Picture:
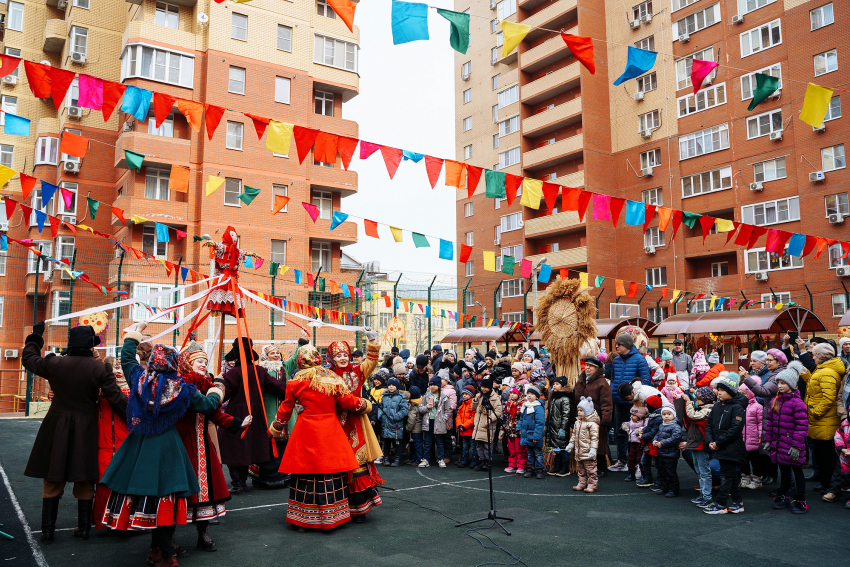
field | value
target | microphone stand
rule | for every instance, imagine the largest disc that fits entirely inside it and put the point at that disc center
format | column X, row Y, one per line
column 491, row 515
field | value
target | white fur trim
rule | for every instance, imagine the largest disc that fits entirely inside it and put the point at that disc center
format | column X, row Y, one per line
column 134, row 335
column 216, row 390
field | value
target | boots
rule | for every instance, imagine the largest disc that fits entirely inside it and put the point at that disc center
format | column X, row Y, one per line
column 745, row 481
column 49, row 511
column 154, row 556
column 755, row 483
column 540, row 475
column 482, row 466
column 397, row 462
column 565, row 469
column 205, row 542
column 84, row 508
column 180, row 552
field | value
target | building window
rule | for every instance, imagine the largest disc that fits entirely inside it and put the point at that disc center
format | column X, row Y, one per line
column 642, row 9
column 282, row 87
column 16, row 16
column 508, row 96
column 2, row 263
column 706, row 98
column 685, row 65
column 151, row 245
column 764, row 124
column 495, row 113
column 324, row 103
column 833, row 111
column 826, row 62
column 704, row 142
column 821, row 16
column 61, row 208
column 839, row 305
column 156, row 184
column 510, row 222
column 509, row 126
column 656, row 276
column 760, row 261
column 761, row 38
column 470, row 298
column 44, row 267
column 494, row 25
column 466, row 68
column 467, row 152
column 494, row 54
column 236, row 82
column 772, row 212
column 467, row 124
column 835, row 256
column 677, row 5
column 239, row 27
column 505, row 8
column 647, row 43
column 65, row 248
column 167, row 15
column 748, row 81
column 651, row 158
column 647, row 83
column 470, row 268
column 769, row 300
column 697, row 21
column 14, row 53
column 832, row 157
column 512, row 288
column 649, row 121
column 509, row 158
column 140, row 61
column 79, row 40
column 653, row 197
column 163, row 302
column 719, row 269
column 323, row 9
column 166, row 129
column 513, row 251
column 495, row 82
column 279, row 252
column 279, row 190
column 323, row 200
column 9, row 104
column 495, row 141
column 746, row 6
column 335, row 53
column 467, row 96
column 621, row 310
column 470, row 237
column 321, row 256
column 6, row 155
column 234, row 135
column 232, row 190
column 836, row 204
column 467, row 209
column 46, row 151
column 653, row 237
column 769, row 170
column 654, row 314
column 284, row 38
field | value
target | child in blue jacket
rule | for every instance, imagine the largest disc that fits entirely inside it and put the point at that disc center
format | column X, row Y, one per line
column 531, row 426
column 392, row 413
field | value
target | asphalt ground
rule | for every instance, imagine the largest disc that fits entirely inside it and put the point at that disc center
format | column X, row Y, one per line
column 621, row 525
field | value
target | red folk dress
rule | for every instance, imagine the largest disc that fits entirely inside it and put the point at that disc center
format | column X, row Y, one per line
column 111, row 433
column 227, row 258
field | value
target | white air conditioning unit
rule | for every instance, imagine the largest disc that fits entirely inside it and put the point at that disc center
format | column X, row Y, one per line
column 685, row 38
column 639, row 96
column 75, row 112
column 757, row 186
column 72, row 167
column 520, row 223
column 836, row 218
column 776, row 136
column 738, row 19
column 69, row 219
column 62, row 4
column 816, row 176
column 10, row 353
column 497, row 241
column 4, row 226
column 634, row 24
column 646, row 172
column 761, row 276
column 820, row 129
column 646, row 133
column 127, row 126
column 650, row 250
column 707, row 81
column 493, row 4
column 10, row 80
column 776, row 94
column 465, row 76
column 647, row 18
column 77, row 57
column 843, row 271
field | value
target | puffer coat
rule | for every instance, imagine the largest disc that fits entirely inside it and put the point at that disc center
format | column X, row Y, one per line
column 725, row 427
column 513, row 411
column 585, row 436
column 443, row 416
column 650, row 430
column 695, row 421
column 531, row 425
column 465, row 418
column 765, row 386
column 786, row 427
column 559, row 418
column 755, row 415
column 625, row 369
column 821, row 397
column 669, row 435
column 414, row 418
column 480, row 431
column 393, row 414
column 842, row 441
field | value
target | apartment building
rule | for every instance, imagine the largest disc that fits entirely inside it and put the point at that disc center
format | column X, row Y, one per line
column 651, row 139
column 291, row 61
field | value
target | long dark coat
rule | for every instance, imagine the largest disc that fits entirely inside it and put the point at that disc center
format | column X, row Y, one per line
column 65, row 449
column 254, row 447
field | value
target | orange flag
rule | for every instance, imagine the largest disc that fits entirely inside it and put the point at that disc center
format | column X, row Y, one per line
column 73, row 144
column 664, row 215
column 325, row 148
column 280, row 202
column 619, row 289
column 455, row 171
column 345, row 10
column 193, row 111
column 179, row 179
column 371, row 228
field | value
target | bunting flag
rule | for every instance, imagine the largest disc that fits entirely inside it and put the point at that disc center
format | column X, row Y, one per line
column 473, row 176
column 545, row 273
column 119, row 213
column 433, row 166
column 8, row 64
column 248, row 195
column 815, row 105
column 392, row 156
column 16, row 125
column 409, row 22
column 312, row 210
column 162, row 105
column 707, row 224
column 414, row 157
column 582, row 278
column 136, row 102
column 134, row 160
column 582, row 49
column 346, row 147
column 465, row 251
column 93, row 206
column 90, row 92
column 280, row 137
column 494, row 184
column 459, row 33
column 338, row 219
column 280, row 202
column 633, row 288
column 213, row 183
column 193, row 111
column 599, row 280
column 38, row 77
column 325, row 147
column 73, row 144
column 27, row 184
column 298, row 276
column 304, row 140
column 260, row 124
column 179, row 179
column 639, row 61
column 532, row 191
column 508, row 265
column 455, row 173
column 601, row 207
column 370, row 228
column 112, row 93
column 795, row 247
column 513, row 34
column 345, row 10
column 162, row 233
column 489, row 260
column 40, row 217
column 525, row 268
column 616, row 207
column 419, row 240
column 619, row 289
column 60, row 82
column 765, row 86
column 550, row 194
column 512, row 185
column 396, row 233
column 47, row 192
column 446, row 250
column 699, row 71
column 212, row 118
column 138, row 220
column 648, row 214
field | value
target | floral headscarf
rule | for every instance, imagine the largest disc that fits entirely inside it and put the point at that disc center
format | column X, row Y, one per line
column 158, row 396
column 307, row 357
column 188, row 356
column 335, row 348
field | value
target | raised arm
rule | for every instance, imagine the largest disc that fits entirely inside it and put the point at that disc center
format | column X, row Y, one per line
column 31, row 358
column 370, row 361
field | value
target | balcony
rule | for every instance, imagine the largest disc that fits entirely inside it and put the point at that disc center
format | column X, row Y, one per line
column 555, row 83
column 141, row 29
column 554, row 154
column 563, row 258
column 553, row 17
column 552, row 119
column 714, row 244
column 55, row 36
column 171, row 212
column 157, row 149
column 728, row 285
column 45, row 282
column 575, row 179
column 337, row 126
column 344, row 83
column 344, row 234
column 331, row 178
column 550, row 51
column 549, row 225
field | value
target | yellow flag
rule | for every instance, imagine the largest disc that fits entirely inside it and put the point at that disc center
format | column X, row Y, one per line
column 84, row 227
column 282, row 270
column 815, row 105
column 138, row 220
column 213, row 184
column 532, row 191
column 279, row 137
column 6, row 174
column 676, row 293
column 582, row 278
column 779, row 306
column 711, row 305
column 514, row 34
column 724, row 225
column 396, row 233
column 489, row 261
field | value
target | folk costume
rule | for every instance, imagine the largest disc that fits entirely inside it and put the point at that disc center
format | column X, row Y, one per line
column 318, row 453
column 111, row 432
column 363, row 494
column 151, row 477
column 227, row 258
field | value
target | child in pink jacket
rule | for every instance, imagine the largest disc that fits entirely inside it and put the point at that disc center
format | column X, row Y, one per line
column 842, row 445
column 752, row 438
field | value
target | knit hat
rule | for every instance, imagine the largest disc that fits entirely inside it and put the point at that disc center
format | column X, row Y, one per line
column 394, row 350
column 443, row 374
column 518, row 366
column 672, row 377
column 778, row 355
column 487, row 383
column 531, row 389
column 824, row 351
column 666, row 355
column 594, row 361
column 842, row 340
column 759, row 356
column 394, row 382
column 746, row 391
column 415, row 392
column 492, row 355
column 653, row 402
column 380, row 376
column 791, row 374
column 399, row 369
column 470, row 351
column 530, row 353
column 438, row 348
column 667, row 409
column 700, row 364
column 728, row 383
column 586, row 404
column 421, row 361
column 705, row 395
column 713, row 358
column 451, row 352
column 434, row 381
column 640, row 412
column 603, row 357
column 562, row 380
column 480, row 367
column 470, row 389
column 82, row 337
column 625, row 340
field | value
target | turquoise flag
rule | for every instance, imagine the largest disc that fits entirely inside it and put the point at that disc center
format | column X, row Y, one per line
column 419, row 240
column 137, row 102
column 635, row 213
column 446, row 249
column 599, row 280
column 161, row 232
column 545, row 273
column 16, row 125
column 408, row 155
column 338, row 219
column 298, row 276
column 409, row 22
column 639, row 62
column 795, row 246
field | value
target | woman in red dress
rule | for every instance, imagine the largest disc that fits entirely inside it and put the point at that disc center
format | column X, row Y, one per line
column 318, row 454
column 111, row 433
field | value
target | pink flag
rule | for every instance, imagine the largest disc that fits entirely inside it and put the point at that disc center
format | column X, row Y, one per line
column 181, row 234
column 68, row 197
column 368, row 148
column 312, row 210
column 601, row 207
column 258, row 262
column 700, row 71
column 525, row 268
column 91, row 92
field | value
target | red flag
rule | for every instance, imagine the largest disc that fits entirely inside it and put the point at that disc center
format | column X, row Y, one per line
column 9, row 64
column 676, row 217
column 27, row 212
column 570, row 198
column 616, row 206
column 346, row 147
column 325, row 147
column 744, row 232
column 663, row 293
column 465, row 251
column 821, row 246
column 60, row 82
column 10, row 208
column 162, row 105
column 729, row 234
column 648, row 215
column 54, row 225
column 433, row 166
column 512, row 183
column 782, row 240
column 260, row 124
column 473, row 175
column 633, row 287
column 304, row 140
column 583, row 201
column 27, row 183
column 582, row 48
column 706, row 222
column 550, row 194
column 345, row 10
column 392, row 157
column 565, row 273
column 73, row 144
column 112, row 93
column 38, row 77
column 371, row 228
column 120, row 214
column 758, row 232
column 809, row 246
column 212, row 117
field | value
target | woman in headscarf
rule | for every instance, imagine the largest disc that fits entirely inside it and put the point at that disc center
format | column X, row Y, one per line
column 268, row 474
column 111, row 432
column 151, row 477
column 228, row 257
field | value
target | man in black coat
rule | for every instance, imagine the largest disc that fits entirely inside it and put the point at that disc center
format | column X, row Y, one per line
column 65, row 449
column 421, row 373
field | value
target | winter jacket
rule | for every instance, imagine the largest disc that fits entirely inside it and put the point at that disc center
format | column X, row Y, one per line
column 480, row 428
column 695, row 420
column 712, row 373
column 656, row 373
column 653, row 423
column 682, row 362
column 632, row 429
column 786, row 427
column 596, row 388
column 672, row 395
column 531, row 424
column 501, row 369
column 465, row 418
column 393, row 414
column 842, row 441
column 669, row 435
column 451, row 394
column 512, row 414
column 765, row 387
column 557, row 419
column 585, row 436
column 414, row 378
column 414, row 418
column 755, row 414
column 725, row 427
column 443, row 416
column 821, row 395
column 625, row 369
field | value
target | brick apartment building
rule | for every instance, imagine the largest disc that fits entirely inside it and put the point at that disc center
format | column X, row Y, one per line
column 291, row 61
column 540, row 114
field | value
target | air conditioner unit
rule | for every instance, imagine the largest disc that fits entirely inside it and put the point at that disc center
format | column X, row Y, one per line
column 647, row 18
column 816, row 176
column 520, row 224
column 685, row 38
column 776, row 136
column 757, row 186
column 465, row 76
column 493, row 4
column 819, row 129
column 10, row 80
column 646, row 172
column 77, row 57
column 761, row 276
column 497, row 241
column 127, row 126
column 75, row 112
column 634, row 24
column 649, row 250
column 639, row 96
column 4, row 226
column 776, row 94
column 62, row 4
column 10, row 353
column 707, row 81
column 72, row 167
column 646, row 133
column 64, row 276
column 738, row 19
column 843, row 271
column 836, row 218
column 69, row 219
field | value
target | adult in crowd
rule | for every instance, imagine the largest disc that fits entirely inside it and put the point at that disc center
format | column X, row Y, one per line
column 765, row 388
column 628, row 366
column 420, row 374
column 592, row 384
column 682, row 363
column 758, row 369
column 436, row 357
column 844, row 351
column 821, row 394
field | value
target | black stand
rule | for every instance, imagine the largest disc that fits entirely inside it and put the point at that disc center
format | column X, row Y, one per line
column 491, row 515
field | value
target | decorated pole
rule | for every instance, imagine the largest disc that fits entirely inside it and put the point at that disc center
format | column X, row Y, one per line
column 356, row 310
column 272, row 318
column 315, row 283
column 71, row 291
column 176, row 301
column 495, row 304
column 34, row 321
column 118, row 311
column 395, row 300
column 429, row 310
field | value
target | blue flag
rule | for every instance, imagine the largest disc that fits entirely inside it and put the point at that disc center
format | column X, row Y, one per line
column 409, row 22
column 635, row 213
column 298, row 276
column 338, row 219
column 16, row 126
column 446, row 249
column 408, row 155
column 183, row 273
column 427, row 310
column 137, row 102
column 545, row 273
column 40, row 218
column 4, row 243
column 161, row 232
column 345, row 291
column 639, row 62
column 796, row 244
column 249, row 262
column 47, row 191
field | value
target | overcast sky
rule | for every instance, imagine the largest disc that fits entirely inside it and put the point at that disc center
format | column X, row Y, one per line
column 406, row 101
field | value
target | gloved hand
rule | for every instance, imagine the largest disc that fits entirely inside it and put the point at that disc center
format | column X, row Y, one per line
column 625, row 427
column 592, row 453
column 794, row 453
column 562, row 434
column 765, row 446
column 38, row 328
column 569, row 448
column 371, row 334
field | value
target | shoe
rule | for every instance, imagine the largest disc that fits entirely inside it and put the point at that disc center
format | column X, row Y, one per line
column 579, row 488
column 656, row 489
column 715, row 509
column 397, row 462
column 696, row 500
column 814, row 477
column 671, row 494
column 461, row 465
column 170, row 562
column 49, row 511
column 379, row 461
column 386, row 462
column 755, row 483
column 205, row 542
column 829, row 497
column 847, row 505
column 781, row 502
column 735, row 508
column 442, row 464
column 745, row 481
column 602, row 474
column 485, row 466
column 154, row 556
column 423, row 464
column 619, row 466
column 540, row 474
column 630, row 478
column 520, row 471
column 768, row 480
column 84, row 507
column 589, row 490
column 236, row 488
column 705, row 503
column 510, row 469
column 799, row 507
column 180, row 552
column 565, row 469
column 528, row 473
column 644, row 483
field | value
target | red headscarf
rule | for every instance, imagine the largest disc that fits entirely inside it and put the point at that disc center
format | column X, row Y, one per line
column 231, row 253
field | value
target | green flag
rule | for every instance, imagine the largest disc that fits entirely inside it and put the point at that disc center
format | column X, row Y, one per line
column 273, row 268
column 459, row 38
column 134, row 160
column 197, row 238
column 320, row 284
column 248, row 195
column 599, row 280
column 495, row 184
column 765, row 86
column 420, row 241
column 473, row 319
column 508, row 265
column 93, row 205
column 442, row 312
column 690, row 219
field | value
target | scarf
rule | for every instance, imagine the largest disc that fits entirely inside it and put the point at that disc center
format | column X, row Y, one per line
column 158, row 397
column 272, row 366
column 528, row 407
column 231, row 248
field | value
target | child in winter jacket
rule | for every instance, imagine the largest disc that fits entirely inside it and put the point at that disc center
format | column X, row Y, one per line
column 724, row 433
column 436, row 414
column 647, row 434
column 842, row 445
column 752, row 439
column 584, row 441
column 508, row 382
column 637, row 421
column 517, row 454
column 465, row 421
column 696, row 416
column 392, row 414
column 667, row 442
column 671, row 389
column 414, row 426
column 558, row 426
column 532, row 428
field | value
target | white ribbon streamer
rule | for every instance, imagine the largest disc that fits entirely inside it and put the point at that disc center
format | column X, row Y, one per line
column 313, row 322
column 186, row 301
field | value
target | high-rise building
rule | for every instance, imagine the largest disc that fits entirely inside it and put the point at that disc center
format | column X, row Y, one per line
column 651, row 139
column 296, row 62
